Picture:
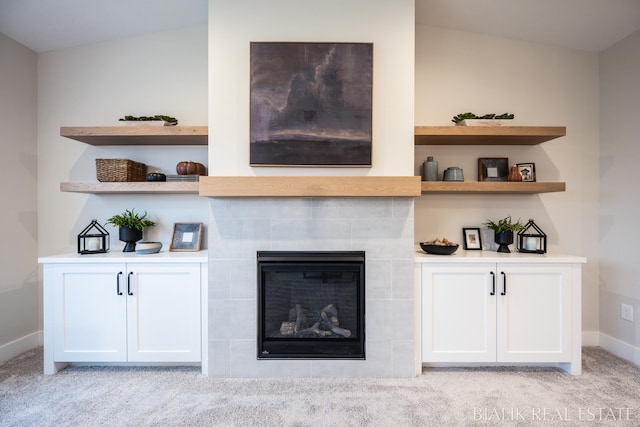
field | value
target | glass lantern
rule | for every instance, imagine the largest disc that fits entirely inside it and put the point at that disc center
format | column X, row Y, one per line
column 94, row 239
column 532, row 239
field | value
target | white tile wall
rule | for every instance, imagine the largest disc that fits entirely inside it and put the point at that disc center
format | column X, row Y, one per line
column 382, row 227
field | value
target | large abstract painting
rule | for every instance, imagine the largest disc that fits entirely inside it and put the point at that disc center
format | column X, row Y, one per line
column 311, row 104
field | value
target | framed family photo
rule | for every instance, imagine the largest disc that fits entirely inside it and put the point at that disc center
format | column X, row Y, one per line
column 527, row 171
column 187, row 237
column 472, row 240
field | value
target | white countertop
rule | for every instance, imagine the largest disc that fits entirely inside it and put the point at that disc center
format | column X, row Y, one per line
column 491, row 256
column 162, row 257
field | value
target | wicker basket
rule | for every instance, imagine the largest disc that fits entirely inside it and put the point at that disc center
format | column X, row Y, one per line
column 120, row 170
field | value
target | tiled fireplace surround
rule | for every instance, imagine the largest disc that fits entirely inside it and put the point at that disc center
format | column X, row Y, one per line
column 381, row 226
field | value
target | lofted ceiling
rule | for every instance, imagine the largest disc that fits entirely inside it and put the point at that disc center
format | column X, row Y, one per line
column 591, row 25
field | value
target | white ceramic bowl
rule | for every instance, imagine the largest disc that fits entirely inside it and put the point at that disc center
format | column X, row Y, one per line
column 148, row 247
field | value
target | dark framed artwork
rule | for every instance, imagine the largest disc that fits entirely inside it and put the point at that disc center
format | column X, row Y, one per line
column 311, row 104
column 472, row 240
column 186, row 237
column 527, row 171
column 493, row 169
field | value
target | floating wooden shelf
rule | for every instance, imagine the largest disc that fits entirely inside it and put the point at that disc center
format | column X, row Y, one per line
column 486, row 135
column 310, row 186
column 130, row 187
column 138, row 135
column 451, row 187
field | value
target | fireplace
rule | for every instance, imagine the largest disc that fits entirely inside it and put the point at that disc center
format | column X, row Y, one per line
column 311, row 305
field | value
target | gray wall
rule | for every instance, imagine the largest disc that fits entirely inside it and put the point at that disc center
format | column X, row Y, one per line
column 619, row 201
column 19, row 305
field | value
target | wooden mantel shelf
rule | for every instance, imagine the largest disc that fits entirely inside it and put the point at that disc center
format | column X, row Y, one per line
column 487, row 135
column 451, row 187
column 138, row 135
column 310, row 186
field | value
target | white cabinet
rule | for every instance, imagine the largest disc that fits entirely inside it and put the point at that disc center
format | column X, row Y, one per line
column 132, row 311
column 482, row 311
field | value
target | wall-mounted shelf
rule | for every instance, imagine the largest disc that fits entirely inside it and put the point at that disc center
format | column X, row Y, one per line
column 130, row 187
column 138, row 135
column 451, row 187
column 486, row 135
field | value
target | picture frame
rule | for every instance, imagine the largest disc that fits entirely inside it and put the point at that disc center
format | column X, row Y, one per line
column 493, row 169
column 527, row 171
column 311, row 104
column 187, row 237
column 472, row 240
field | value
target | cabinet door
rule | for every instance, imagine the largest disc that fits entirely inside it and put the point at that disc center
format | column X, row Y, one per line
column 89, row 315
column 164, row 313
column 534, row 317
column 458, row 313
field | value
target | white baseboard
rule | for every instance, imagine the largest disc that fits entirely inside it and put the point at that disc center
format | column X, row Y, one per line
column 19, row 346
column 620, row 348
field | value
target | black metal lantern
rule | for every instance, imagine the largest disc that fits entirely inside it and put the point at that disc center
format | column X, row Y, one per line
column 532, row 239
column 94, row 239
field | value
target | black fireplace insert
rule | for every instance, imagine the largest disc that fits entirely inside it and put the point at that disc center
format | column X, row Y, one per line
column 311, row 305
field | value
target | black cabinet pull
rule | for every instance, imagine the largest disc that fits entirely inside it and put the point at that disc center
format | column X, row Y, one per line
column 129, row 283
column 118, row 283
column 493, row 283
column 504, row 283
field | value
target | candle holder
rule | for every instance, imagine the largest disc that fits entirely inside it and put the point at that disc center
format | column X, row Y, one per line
column 94, row 239
column 531, row 239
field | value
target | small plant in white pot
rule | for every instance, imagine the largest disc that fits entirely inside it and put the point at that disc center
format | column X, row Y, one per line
column 503, row 232
column 131, row 225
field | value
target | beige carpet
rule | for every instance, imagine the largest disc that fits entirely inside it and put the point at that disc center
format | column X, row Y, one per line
column 608, row 393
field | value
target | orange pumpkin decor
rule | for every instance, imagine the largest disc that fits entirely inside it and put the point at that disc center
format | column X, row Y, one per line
column 190, row 168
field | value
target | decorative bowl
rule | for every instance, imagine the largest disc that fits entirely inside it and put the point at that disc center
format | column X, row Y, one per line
column 438, row 249
column 148, row 247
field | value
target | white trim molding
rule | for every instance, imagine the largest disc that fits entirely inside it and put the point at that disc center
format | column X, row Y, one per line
column 19, row 346
column 620, row 348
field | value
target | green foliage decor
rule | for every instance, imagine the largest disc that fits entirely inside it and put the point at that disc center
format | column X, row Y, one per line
column 504, row 224
column 464, row 116
column 157, row 117
column 129, row 218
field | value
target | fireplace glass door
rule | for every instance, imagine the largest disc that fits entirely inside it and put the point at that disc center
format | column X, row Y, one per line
column 311, row 305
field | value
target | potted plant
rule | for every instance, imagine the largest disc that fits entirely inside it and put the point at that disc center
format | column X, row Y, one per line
column 131, row 225
column 503, row 232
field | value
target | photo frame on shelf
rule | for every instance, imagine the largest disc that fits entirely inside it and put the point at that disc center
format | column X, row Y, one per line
column 187, row 237
column 472, row 240
column 493, row 168
column 527, row 171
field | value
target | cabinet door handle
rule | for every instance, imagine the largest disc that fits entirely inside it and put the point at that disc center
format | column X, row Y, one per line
column 129, row 283
column 118, row 291
column 504, row 283
column 493, row 283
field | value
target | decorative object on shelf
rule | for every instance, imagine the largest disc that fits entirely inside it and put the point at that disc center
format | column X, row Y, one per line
column 94, row 239
column 514, row 174
column 439, row 247
column 148, row 247
column 314, row 108
column 120, row 170
column 156, row 177
column 131, row 225
column 527, row 171
column 503, row 232
column 157, row 120
column 190, row 168
column 186, row 237
column 470, row 119
column 430, row 170
column 183, row 178
column 493, row 169
column 531, row 239
column 454, row 173
column 472, row 240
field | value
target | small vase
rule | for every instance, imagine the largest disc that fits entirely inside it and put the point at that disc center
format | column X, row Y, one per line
column 514, row 174
column 504, row 239
column 130, row 236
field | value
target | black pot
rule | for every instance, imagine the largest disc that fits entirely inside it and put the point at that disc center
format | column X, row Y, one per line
column 130, row 236
column 504, row 239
